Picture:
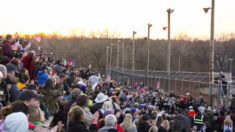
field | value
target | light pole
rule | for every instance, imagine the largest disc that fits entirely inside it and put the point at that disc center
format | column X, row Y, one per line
column 149, row 26
column 133, row 52
column 212, row 47
column 231, row 70
column 123, row 56
column 118, row 53
column 169, row 11
column 107, row 59
column 110, row 65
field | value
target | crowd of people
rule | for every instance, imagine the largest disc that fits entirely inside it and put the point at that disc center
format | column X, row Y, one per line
column 40, row 93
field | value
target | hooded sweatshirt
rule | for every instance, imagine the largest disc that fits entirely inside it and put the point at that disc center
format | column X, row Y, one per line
column 41, row 77
column 16, row 122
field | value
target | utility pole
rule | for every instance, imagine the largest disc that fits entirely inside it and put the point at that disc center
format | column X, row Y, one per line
column 212, row 48
column 148, row 45
column 169, row 11
column 133, row 52
column 118, row 53
column 107, row 59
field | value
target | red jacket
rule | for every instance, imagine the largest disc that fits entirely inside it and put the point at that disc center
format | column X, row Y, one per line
column 191, row 113
column 6, row 49
column 29, row 64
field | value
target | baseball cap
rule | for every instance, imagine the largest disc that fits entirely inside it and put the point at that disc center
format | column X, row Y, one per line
column 10, row 67
column 133, row 110
column 29, row 94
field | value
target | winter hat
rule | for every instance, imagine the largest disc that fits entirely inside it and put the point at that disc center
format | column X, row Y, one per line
column 107, row 105
column 108, row 112
column 191, row 107
column 76, row 92
column 90, row 103
column 133, row 110
column 16, row 122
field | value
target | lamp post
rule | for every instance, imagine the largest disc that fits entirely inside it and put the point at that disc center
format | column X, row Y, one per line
column 211, row 62
column 107, row 59
column 133, row 52
column 123, row 56
column 169, row 11
column 118, row 53
column 110, row 65
column 231, row 70
column 148, row 45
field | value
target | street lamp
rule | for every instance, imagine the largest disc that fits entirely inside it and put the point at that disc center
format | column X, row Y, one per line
column 118, row 53
column 123, row 56
column 231, row 72
column 149, row 26
column 133, row 52
column 169, row 11
column 212, row 47
column 110, row 65
column 107, row 59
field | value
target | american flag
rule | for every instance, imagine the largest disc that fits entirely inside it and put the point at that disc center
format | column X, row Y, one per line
column 27, row 47
column 108, row 77
column 37, row 38
column 71, row 63
column 158, row 84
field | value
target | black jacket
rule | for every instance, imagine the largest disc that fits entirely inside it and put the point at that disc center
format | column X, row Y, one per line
column 81, row 127
column 143, row 127
column 96, row 107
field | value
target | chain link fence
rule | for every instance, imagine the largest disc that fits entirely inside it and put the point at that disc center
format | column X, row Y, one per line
column 181, row 83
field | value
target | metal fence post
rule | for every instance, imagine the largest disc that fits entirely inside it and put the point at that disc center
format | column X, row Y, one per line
column 182, row 87
column 175, row 87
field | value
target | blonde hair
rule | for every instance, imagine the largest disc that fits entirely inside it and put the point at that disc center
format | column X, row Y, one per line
column 227, row 120
column 76, row 114
column 107, row 105
column 127, row 123
column 166, row 124
column 153, row 129
column 35, row 115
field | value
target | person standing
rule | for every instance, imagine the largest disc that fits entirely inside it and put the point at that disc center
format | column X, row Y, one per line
column 6, row 47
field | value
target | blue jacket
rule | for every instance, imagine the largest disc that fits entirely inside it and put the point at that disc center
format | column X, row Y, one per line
column 41, row 77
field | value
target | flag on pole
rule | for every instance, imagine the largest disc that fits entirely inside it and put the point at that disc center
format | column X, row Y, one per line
column 27, row 46
column 37, row 38
column 158, row 84
column 108, row 77
column 70, row 62
column 128, row 81
column 65, row 62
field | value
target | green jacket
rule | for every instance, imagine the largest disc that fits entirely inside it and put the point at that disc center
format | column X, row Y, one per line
column 51, row 97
